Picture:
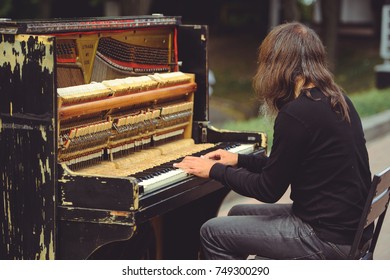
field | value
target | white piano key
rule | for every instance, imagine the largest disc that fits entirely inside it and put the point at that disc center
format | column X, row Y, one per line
column 175, row 175
column 243, row 149
column 163, row 180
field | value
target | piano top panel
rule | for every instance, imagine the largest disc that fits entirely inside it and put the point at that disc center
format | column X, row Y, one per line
column 53, row 26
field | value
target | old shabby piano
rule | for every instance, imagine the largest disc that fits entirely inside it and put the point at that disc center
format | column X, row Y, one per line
column 93, row 112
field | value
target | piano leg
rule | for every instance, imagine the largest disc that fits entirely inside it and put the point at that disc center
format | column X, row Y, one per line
column 78, row 240
column 142, row 245
column 81, row 231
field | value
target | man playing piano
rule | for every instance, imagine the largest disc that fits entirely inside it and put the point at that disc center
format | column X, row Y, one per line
column 319, row 150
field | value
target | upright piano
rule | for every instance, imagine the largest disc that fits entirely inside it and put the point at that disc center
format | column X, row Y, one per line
column 93, row 114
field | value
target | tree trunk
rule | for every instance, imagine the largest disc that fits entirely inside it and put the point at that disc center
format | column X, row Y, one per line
column 330, row 12
column 136, row 7
column 44, row 9
column 290, row 10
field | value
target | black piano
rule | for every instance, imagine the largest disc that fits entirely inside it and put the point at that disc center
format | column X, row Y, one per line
column 93, row 113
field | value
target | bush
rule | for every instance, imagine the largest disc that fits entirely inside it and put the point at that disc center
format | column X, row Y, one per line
column 371, row 102
column 367, row 103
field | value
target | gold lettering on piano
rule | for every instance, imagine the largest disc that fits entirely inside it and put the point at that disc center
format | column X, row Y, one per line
column 87, row 46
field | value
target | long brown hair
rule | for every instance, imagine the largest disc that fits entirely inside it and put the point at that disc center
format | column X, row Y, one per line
column 292, row 52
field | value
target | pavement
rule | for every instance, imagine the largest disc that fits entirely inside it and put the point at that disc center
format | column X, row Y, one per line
column 377, row 133
column 379, row 153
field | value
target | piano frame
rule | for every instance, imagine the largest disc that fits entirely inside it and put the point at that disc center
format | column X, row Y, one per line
column 49, row 212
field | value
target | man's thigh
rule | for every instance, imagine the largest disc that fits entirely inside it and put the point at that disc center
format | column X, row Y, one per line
column 274, row 235
column 261, row 209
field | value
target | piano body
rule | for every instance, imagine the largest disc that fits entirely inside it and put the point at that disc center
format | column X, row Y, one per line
column 93, row 112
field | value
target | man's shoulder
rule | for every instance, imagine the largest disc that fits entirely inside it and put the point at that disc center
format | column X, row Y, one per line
column 298, row 106
column 305, row 108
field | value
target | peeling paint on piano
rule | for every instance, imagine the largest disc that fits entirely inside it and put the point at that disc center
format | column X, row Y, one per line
column 97, row 192
column 25, row 54
column 27, row 141
column 45, row 251
column 27, row 46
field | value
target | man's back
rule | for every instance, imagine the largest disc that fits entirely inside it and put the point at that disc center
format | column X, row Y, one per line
column 333, row 175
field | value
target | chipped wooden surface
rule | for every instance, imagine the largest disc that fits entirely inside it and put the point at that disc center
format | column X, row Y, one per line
column 27, row 140
column 46, row 211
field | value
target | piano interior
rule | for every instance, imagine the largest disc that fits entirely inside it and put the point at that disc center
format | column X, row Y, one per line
column 122, row 101
column 114, row 127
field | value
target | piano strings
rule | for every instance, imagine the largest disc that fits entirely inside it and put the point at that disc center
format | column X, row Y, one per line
column 83, row 58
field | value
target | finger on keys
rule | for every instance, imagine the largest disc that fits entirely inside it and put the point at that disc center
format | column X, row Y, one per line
column 215, row 155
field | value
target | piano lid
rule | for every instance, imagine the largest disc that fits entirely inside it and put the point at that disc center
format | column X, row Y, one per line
column 67, row 25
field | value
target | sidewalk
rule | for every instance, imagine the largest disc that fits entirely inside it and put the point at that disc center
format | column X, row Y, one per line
column 378, row 146
column 379, row 152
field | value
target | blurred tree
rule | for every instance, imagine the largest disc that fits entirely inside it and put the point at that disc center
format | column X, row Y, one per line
column 18, row 9
column 5, row 7
column 136, row 7
column 290, row 10
column 25, row 8
column 77, row 8
column 306, row 9
column 330, row 12
column 45, row 8
column 125, row 7
column 376, row 7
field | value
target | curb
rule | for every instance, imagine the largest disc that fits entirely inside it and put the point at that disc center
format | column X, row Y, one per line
column 376, row 125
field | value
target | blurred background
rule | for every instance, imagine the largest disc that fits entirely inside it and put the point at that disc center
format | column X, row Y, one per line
column 350, row 30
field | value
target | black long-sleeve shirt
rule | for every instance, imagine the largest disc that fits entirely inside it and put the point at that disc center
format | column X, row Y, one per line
column 322, row 157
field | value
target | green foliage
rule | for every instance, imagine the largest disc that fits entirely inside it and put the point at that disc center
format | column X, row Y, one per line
column 255, row 124
column 355, row 65
column 95, row 2
column 371, row 102
column 235, row 88
column 366, row 103
column 5, row 7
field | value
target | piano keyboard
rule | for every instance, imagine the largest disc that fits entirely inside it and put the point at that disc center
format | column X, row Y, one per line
column 163, row 175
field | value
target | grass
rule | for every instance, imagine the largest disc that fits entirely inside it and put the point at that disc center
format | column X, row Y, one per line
column 371, row 102
column 254, row 124
column 366, row 103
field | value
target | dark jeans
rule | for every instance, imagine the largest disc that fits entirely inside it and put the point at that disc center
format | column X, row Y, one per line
column 270, row 231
